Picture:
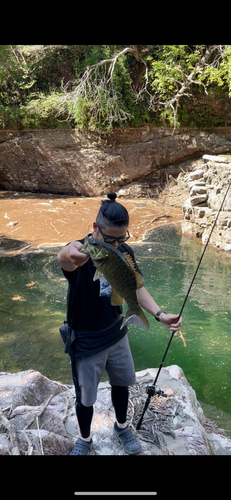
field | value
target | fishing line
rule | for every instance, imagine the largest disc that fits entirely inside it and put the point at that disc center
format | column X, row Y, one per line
column 151, row 388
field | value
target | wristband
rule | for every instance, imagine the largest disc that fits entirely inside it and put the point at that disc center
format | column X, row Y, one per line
column 158, row 314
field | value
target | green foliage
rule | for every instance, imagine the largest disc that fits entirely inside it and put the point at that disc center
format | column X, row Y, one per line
column 168, row 71
column 40, row 86
column 225, row 68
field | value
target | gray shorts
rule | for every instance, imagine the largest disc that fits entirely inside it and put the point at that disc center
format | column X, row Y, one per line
column 116, row 360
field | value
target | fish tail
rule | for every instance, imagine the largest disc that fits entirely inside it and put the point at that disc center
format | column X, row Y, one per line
column 137, row 319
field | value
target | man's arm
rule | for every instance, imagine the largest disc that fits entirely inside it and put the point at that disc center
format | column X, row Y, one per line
column 70, row 257
column 148, row 303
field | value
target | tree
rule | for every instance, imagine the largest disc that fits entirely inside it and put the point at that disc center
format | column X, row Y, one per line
column 174, row 71
column 98, row 95
column 101, row 86
column 177, row 70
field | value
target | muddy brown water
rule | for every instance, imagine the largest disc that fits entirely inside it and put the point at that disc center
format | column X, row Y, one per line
column 52, row 220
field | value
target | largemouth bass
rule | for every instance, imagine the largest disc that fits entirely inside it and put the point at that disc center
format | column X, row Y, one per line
column 119, row 270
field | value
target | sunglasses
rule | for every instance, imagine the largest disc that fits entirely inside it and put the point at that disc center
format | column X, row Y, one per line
column 111, row 239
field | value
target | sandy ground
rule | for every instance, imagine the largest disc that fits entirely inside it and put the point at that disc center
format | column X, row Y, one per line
column 41, row 220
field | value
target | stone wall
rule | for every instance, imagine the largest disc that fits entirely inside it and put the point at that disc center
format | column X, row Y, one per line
column 207, row 186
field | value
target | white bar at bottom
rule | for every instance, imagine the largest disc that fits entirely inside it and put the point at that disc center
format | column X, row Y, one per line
column 115, row 493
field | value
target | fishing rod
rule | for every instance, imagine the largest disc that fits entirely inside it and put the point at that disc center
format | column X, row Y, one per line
column 151, row 388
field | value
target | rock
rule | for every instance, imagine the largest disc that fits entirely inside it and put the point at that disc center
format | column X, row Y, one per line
column 200, row 199
column 33, row 389
column 52, row 443
column 172, row 425
column 12, row 223
column 93, row 163
column 50, row 419
column 159, row 234
column 198, row 190
column 25, row 394
column 133, row 190
column 175, row 371
column 197, row 174
column 214, row 158
column 219, row 443
column 197, row 221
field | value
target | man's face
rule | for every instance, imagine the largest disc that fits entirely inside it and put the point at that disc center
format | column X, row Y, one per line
column 110, row 232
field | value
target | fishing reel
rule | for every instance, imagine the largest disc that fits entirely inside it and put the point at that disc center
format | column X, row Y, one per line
column 151, row 391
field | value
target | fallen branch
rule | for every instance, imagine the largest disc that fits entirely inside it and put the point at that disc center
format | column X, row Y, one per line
column 157, row 218
column 24, row 248
column 40, row 440
column 30, row 447
column 66, row 410
column 39, row 413
column 13, row 437
column 56, row 229
column 173, row 179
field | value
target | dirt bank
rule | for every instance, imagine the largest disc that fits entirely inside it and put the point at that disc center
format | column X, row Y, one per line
column 53, row 220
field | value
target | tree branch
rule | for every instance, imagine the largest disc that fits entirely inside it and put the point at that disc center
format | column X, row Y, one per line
column 98, row 86
column 200, row 67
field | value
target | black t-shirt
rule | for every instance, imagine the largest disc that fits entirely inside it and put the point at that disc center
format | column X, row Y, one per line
column 89, row 311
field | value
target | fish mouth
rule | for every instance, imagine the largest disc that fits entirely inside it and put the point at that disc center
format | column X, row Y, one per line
column 94, row 249
column 99, row 255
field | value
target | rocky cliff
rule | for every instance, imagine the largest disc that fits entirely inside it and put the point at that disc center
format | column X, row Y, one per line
column 90, row 164
column 37, row 417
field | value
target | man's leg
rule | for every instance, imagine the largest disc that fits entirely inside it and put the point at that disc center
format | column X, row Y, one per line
column 121, row 371
column 83, row 445
column 89, row 371
column 119, row 396
column 84, row 416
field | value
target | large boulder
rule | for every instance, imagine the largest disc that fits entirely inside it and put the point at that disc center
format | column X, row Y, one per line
column 38, row 417
column 34, row 407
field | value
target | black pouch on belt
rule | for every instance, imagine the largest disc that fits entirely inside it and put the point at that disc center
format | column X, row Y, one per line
column 68, row 338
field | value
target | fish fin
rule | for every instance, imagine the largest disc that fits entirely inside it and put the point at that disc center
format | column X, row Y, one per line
column 139, row 320
column 129, row 260
column 116, row 300
column 138, row 276
column 139, row 280
column 97, row 275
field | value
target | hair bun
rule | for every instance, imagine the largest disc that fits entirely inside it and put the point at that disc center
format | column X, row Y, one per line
column 112, row 196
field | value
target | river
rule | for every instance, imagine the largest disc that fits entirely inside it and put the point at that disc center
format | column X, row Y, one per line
column 33, row 306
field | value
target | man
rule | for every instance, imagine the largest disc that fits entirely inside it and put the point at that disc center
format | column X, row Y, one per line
column 97, row 342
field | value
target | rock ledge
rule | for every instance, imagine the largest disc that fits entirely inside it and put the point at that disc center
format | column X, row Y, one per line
column 37, row 417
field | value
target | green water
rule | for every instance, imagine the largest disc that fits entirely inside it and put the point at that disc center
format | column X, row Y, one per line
column 33, row 307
